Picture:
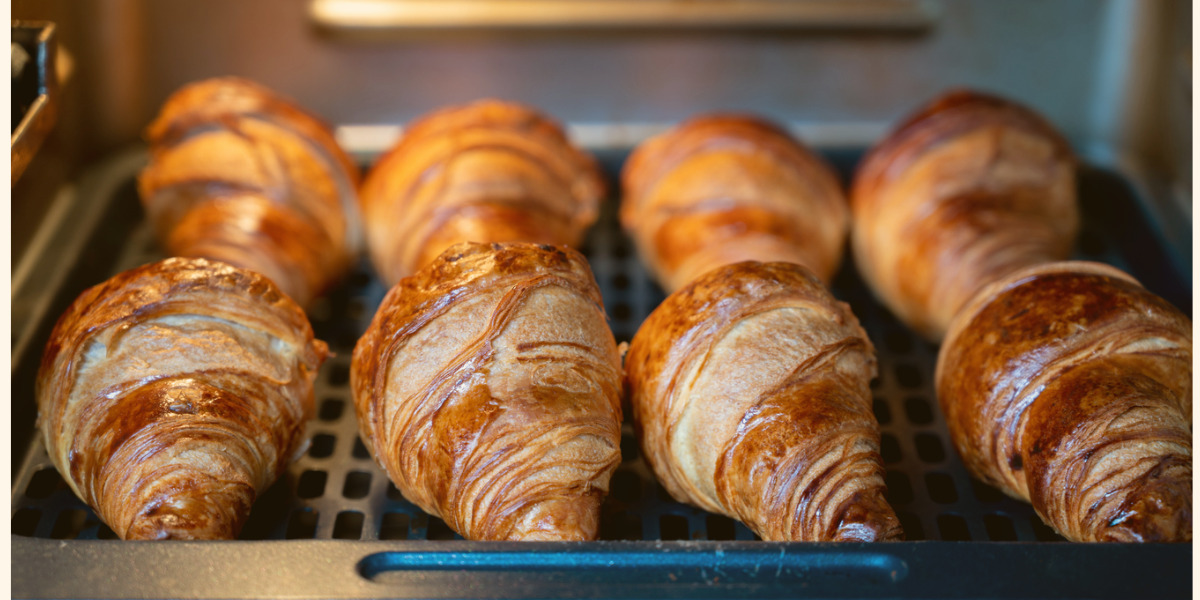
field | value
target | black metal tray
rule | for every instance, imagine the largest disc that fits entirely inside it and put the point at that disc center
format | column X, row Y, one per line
column 334, row 526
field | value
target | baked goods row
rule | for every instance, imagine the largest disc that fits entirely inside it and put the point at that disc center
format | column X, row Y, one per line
column 490, row 388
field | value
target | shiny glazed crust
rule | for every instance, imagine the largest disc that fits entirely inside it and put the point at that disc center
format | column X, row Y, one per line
column 724, row 188
column 172, row 394
column 1069, row 386
column 966, row 190
column 750, row 392
column 489, row 171
column 244, row 176
column 488, row 387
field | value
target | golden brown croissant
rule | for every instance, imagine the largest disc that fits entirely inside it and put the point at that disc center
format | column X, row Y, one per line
column 750, row 390
column 969, row 188
column 244, row 176
column 489, row 171
column 1069, row 385
column 487, row 386
column 723, row 188
column 172, row 394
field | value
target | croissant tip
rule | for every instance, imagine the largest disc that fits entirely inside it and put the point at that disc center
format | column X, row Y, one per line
column 170, row 524
column 868, row 518
column 1157, row 512
column 879, row 531
column 194, row 508
column 560, row 519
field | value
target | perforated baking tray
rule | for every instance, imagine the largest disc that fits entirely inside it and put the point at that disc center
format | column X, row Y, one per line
column 334, row 526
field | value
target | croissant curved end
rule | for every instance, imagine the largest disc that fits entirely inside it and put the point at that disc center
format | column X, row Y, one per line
column 868, row 519
column 201, row 515
column 560, row 519
column 1159, row 509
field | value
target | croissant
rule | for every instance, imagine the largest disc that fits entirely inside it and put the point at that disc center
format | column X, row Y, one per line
column 750, row 391
column 1068, row 385
column 723, row 188
column 241, row 175
column 487, row 387
column 966, row 190
column 488, row 171
column 172, row 394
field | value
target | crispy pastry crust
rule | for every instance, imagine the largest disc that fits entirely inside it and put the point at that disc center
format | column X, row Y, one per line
column 172, row 394
column 1069, row 386
column 241, row 175
column 489, row 171
column 723, row 188
column 750, row 391
column 969, row 188
column 488, row 388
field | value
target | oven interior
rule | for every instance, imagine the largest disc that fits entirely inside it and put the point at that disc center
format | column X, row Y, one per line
column 334, row 526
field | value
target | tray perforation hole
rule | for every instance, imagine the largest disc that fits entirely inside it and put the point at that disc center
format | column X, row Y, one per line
column 394, row 526
column 720, row 527
column 393, row 492
column 899, row 488
column 44, row 482
column 359, row 279
column 302, row 524
column 663, row 494
column 999, row 528
column 621, row 526
column 985, row 492
column 311, row 484
column 911, row 524
column 621, row 311
column 322, row 446
column 620, row 281
column 953, row 528
column 357, row 485
column 909, row 376
column 883, row 413
column 673, row 527
column 69, row 524
column 319, row 311
column 360, row 449
column 348, row 525
column 625, row 486
column 331, row 409
column 439, row 530
column 356, row 308
column 941, row 488
column 917, row 410
column 898, row 341
column 889, row 448
column 620, row 248
column 339, row 374
column 346, row 340
column 1042, row 531
column 929, row 448
column 25, row 521
column 629, row 448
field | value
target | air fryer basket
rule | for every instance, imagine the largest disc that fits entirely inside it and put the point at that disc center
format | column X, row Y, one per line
column 335, row 526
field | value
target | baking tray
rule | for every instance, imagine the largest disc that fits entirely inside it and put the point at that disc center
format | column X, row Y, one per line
column 334, row 526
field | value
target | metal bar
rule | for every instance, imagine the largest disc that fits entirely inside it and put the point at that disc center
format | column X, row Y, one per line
column 424, row 15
